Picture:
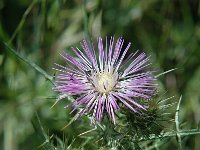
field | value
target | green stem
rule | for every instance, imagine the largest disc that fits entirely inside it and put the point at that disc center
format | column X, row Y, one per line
column 172, row 134
column 33, row 65
column 177, row 123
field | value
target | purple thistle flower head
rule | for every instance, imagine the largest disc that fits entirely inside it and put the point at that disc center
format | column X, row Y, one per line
column 103, row 81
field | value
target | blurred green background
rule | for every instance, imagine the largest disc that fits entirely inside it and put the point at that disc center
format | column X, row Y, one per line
column 168, row 30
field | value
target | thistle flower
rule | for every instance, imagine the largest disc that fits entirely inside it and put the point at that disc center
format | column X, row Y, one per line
column 104, row 82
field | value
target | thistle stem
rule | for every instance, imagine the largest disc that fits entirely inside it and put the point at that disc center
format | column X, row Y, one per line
column 172, row 134
column 33, row 65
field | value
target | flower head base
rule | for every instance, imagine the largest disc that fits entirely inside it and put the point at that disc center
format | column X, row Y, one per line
column 104, row 81
column 102, row 85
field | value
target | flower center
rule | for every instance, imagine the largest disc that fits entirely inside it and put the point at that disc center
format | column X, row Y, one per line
column 104, row 81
